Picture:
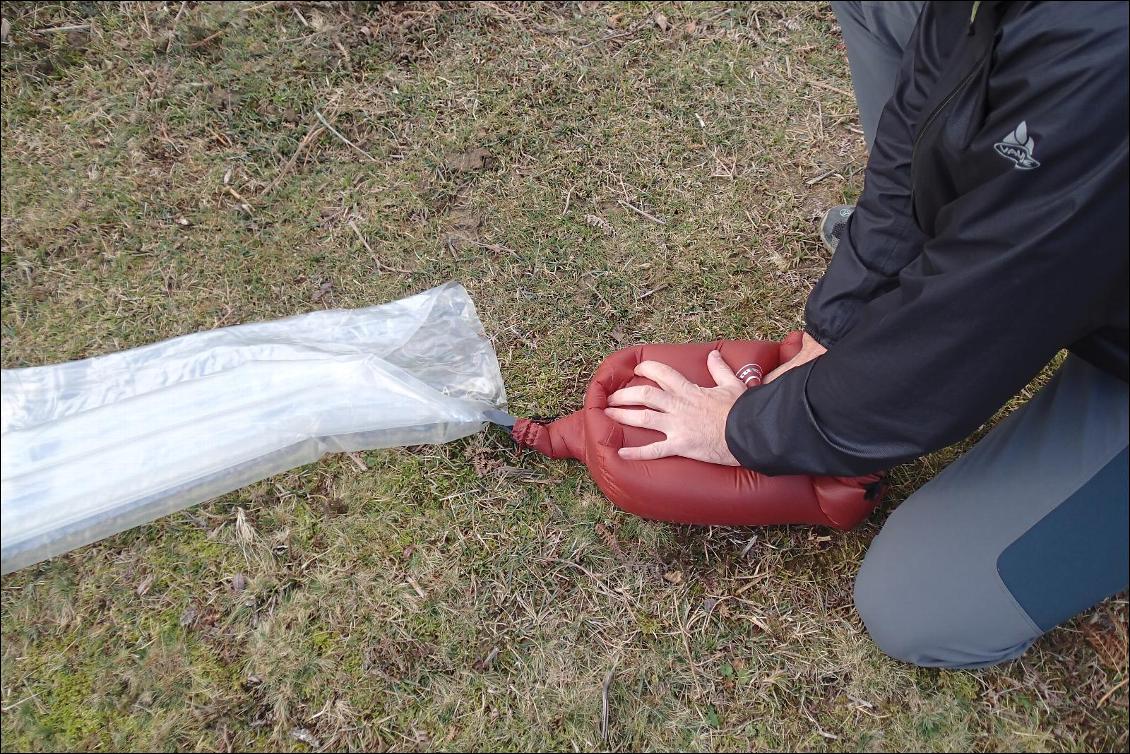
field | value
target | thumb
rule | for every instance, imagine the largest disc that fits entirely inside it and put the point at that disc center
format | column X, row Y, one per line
column 721, row 372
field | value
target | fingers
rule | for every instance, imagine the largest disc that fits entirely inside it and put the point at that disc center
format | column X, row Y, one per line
column 636, row 418
column 650, row 452
column 666, row 377
column 641, row 395
column 721, row 372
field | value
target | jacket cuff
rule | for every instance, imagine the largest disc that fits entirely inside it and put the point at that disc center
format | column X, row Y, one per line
column 766, row 428
column 820, row 336
column 825, row 320
column 772, row 430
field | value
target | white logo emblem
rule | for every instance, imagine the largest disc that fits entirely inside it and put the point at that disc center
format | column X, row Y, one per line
column 1017, row 146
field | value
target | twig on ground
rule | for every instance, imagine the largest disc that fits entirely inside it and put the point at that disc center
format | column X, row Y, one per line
column 752, row 540
column 495, row 247
column 604, row 703
column 239, row 197
column 260, row 6
column 608, row 38
column 73, row 27
column 603, row 300
column 600, row 586
column 339, row 135
column 831, row 88
column 640, row 212
column 376, row 260
column 1110, row 693
column 416, row 587
column 519, row 474
column 485, row 663
column 722, row 169
column 307, row 140
column 173, row 28
column 17, row 704
column 344, row 52
column 502, row 11
column 206, row 40
column 813, row 181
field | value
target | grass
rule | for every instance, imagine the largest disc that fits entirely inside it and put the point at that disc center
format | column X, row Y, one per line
column 164, row 173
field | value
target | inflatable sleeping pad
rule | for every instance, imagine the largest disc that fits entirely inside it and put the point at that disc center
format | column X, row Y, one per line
column 682, row 490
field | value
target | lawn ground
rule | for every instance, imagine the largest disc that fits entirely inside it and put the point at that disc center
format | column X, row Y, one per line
column 168, row 168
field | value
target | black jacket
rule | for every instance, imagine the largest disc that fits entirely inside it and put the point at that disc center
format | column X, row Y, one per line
column 991, row 233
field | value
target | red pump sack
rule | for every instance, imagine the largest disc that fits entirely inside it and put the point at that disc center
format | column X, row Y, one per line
column 686, row 491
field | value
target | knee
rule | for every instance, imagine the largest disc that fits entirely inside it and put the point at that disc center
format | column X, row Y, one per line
column 915, row 613
column 889, row 614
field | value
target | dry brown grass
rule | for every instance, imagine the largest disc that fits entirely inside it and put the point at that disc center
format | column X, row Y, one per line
column 435, row 601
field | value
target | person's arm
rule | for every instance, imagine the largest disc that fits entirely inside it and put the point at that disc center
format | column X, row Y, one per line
column 881, row 237
column 1022, row 265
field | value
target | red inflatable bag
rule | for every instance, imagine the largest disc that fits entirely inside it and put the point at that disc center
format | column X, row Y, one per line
column 682, row 490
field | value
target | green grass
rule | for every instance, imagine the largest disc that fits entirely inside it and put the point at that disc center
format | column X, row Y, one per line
column 419, row 604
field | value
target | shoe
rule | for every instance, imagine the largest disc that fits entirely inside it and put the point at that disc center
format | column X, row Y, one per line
column 834, row 224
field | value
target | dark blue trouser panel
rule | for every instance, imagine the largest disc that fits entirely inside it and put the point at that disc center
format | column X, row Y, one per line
column 1076, row 555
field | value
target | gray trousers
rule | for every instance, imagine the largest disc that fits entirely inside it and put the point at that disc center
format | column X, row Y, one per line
column 875, row 34
column 1018, row 535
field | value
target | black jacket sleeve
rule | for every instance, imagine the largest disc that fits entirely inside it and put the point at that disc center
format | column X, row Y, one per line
column 881, row 237
column 1021, row 264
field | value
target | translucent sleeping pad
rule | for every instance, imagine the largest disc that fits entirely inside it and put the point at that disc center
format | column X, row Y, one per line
column 91, row 448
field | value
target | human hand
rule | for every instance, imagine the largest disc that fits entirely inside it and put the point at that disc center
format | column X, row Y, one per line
column 692, row 417
column 809, row 350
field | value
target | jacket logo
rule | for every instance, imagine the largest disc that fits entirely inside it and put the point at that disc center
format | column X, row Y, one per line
column 1017, row 146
